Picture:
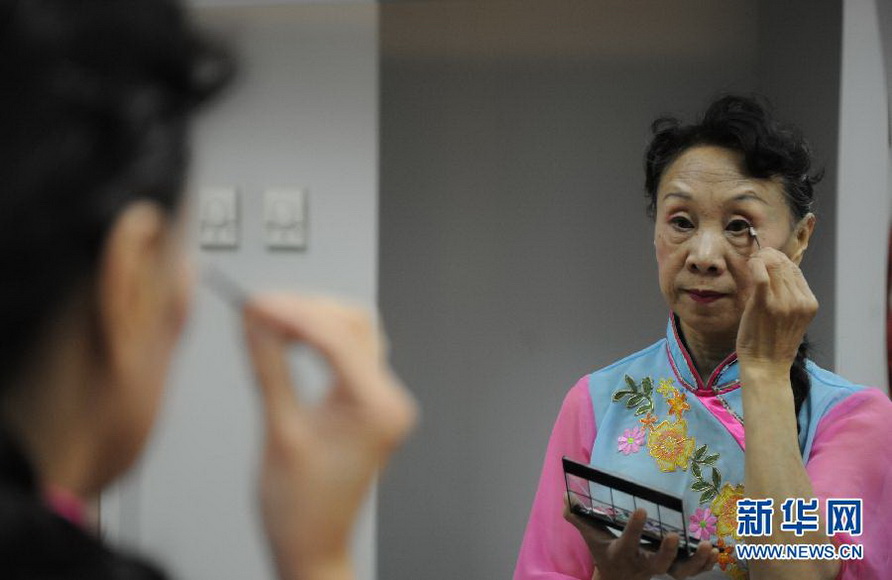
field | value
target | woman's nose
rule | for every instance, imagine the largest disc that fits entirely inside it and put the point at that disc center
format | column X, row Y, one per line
column 706, row 253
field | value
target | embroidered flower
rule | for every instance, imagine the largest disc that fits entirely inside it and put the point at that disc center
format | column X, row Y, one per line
column 725, row 554
column 678, row 404
column 631, row 440
column 648, row 420
column 670, row 445
column 666, row 387
column 724, row 506
column 724, row 560
column 702, row 524
column 736, row 572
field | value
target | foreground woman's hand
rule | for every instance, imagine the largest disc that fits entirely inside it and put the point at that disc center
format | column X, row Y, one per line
column 623, row 558
column 779, row 309
column 319, row 461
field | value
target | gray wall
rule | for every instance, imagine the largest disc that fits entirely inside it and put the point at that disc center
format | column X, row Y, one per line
column 865, row 197
column 799, row 68
column 515, row 254
column 303, row 114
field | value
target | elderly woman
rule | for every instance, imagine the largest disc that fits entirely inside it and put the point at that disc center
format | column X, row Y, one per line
column 727, row 405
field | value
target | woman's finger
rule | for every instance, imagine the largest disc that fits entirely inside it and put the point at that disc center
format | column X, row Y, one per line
column 667, row 554
column 703, row 559
column 783, row 294
column 596, row 538
column 802, row 284
column 631, row 536
column 782, row 269
column 806, row 302
column 346, row 337
column 349, row 340
column 760, row 279
column 271, row 371
column 791, row 293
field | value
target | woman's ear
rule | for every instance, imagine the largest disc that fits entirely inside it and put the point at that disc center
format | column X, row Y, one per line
column 802, row 232
column 128, row 287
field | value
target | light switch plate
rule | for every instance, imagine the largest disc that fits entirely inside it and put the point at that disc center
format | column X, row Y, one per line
column 218, row 217
column 285, row 218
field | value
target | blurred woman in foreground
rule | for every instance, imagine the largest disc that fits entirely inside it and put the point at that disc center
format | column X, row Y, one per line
column 96, row 102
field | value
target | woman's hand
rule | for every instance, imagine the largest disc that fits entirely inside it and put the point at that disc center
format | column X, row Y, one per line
column 772, row 326
column 318, row 462
column 623, row 558
column 779, row 309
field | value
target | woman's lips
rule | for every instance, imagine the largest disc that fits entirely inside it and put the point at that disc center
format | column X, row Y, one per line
column 704, row 296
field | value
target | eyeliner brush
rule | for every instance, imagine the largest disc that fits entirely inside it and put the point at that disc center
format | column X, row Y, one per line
column 755, row 237
column 225, row 287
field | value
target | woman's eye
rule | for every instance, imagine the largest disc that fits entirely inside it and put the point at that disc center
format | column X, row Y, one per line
column 738, row 226
column 681, row 223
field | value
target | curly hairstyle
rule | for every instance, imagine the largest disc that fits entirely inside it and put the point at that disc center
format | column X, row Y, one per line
column 770, row 150
column 744, row 124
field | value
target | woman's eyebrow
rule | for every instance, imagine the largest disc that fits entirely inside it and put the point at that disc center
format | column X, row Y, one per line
column 748, row 196
column 678, row 194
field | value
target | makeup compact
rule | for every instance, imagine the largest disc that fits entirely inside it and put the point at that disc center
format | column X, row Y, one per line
column 608, row 501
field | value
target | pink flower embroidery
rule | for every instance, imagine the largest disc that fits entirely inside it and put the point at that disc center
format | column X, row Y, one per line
column 631, row 440
column 702, row 524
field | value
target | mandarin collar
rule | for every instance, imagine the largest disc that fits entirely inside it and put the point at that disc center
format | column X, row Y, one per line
column 66, row 505
column 724, row 378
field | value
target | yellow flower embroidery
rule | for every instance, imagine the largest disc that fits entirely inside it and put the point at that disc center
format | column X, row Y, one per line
column 670, row 445
column 724, row 507
column 678, row 404
column 666, row 387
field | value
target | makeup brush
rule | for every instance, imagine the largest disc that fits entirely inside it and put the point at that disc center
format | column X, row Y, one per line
column 755, row 236
column 225, row 287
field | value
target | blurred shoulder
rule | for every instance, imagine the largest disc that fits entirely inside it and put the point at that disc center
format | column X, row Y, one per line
column 36, row 543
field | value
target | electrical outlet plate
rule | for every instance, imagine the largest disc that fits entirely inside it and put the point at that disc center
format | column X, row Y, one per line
column 285, row 218
column 218, row 217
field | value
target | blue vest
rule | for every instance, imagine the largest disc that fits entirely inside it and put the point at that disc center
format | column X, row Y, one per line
column 659, row 424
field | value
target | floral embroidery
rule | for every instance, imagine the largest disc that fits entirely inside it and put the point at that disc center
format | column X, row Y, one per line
column 670, row 445
column 708, row 488
column 725, row 554
column 678, row 404
column 669, row 442
column 666, row 387
column 728, row 563
column 724, row 506
column 631, row 440
column 648, row 421
column 702, row 524
column 640, row 396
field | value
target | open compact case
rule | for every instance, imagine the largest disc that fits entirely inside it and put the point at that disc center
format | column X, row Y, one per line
column 608, row 501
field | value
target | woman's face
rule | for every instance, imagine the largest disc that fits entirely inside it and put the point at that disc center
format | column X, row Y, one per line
column 705, row 206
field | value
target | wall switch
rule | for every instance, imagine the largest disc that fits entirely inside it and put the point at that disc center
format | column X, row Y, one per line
column 218, row 217
column 285, row 218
